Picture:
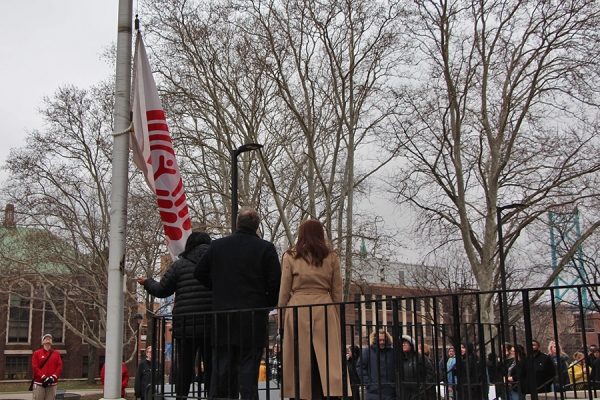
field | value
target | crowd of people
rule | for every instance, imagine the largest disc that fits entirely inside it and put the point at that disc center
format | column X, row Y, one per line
column 240, row 277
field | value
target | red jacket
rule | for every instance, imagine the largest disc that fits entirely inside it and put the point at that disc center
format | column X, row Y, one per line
column 124, row 378
column 53, row 366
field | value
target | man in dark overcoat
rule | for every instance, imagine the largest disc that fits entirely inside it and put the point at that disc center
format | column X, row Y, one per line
column 244, row 273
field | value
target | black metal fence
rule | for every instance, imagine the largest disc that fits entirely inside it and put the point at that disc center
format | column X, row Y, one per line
column 476, row 325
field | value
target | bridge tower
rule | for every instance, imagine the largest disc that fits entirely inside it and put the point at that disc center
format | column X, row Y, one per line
column 564, row 232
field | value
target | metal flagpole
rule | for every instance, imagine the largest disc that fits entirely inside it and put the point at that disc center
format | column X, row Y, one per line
column 118, row 206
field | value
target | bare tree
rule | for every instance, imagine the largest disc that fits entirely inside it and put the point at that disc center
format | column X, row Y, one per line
column 501, row 109
column 309, row 80
column 59, row 183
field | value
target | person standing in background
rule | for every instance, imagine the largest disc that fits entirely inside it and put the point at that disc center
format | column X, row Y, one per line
column 561, row 367
column 143, row 375
column 543, row 372
column 352, row 357
column 578, row 371
column 376, row 367
column 596, row 368
column 47, row 367
column 124, row 378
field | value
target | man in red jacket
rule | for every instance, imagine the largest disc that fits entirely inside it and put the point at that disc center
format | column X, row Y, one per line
column 124, row 378
column 47, row 366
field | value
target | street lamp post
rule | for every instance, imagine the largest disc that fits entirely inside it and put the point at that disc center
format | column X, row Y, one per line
column 234, row 178
column 138, row 318
column 502, row 264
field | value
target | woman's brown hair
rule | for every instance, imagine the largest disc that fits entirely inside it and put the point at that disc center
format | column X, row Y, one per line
column 311, row 245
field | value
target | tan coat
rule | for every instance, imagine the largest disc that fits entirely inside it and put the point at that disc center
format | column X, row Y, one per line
column 302, row 284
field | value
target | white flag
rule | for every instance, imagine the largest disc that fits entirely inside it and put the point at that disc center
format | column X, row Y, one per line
column 154, row 155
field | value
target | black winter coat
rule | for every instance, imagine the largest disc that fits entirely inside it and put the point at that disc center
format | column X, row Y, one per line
column 190, row 295
column 375, row 364
column 143, row 378
column 544, row 371
column 472, row 376
column 417, row 376
column 243, row 271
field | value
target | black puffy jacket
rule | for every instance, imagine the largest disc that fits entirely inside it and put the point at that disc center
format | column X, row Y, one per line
column 417, row 376
column 190, row 295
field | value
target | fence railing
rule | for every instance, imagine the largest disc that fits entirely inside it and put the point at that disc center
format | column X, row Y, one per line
column 472, row 324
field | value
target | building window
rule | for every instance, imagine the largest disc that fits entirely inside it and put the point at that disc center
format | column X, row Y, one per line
column 52, row 323
column 19, row 315
column 388, row 303
column 357, row 305
column 16, row 367
column 589, row 324
column 368, row 304
column 92, row 327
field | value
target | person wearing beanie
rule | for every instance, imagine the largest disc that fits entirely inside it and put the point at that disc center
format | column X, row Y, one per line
column 192, row 334
column 417, row 374
column 47, row 367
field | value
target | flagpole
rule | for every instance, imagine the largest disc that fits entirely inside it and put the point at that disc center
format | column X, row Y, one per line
column 118, row 206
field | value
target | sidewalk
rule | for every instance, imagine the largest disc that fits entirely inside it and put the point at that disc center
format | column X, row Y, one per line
column 28, row 395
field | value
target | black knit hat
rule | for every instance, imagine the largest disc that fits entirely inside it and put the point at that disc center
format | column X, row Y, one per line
column 195, row 240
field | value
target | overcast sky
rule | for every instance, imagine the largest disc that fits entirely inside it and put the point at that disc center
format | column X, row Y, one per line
column 47, row 44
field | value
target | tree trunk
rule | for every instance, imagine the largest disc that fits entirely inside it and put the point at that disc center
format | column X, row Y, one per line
column 91, row 372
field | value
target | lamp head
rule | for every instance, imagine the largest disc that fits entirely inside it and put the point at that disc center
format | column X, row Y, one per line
column 248, row 147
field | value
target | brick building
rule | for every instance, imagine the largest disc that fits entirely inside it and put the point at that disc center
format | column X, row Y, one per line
column 36, row 293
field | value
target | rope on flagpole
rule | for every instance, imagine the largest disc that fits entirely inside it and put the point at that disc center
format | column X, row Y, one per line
column 129, row 129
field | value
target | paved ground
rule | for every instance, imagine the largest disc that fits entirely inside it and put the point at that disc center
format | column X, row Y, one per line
column 28, row 395
column 261, row 393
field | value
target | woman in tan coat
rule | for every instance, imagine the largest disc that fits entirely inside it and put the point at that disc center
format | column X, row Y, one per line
column 311, row 275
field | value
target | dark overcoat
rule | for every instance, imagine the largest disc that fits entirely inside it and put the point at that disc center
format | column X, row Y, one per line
column 244, row 273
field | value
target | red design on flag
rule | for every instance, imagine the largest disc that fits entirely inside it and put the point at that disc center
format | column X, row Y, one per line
column 154, row 155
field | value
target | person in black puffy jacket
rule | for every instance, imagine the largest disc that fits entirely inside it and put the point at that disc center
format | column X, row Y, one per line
column 191, row 332
column 417, row 375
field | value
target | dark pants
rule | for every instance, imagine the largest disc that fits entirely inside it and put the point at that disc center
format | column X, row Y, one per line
column 187, row 348
column 235, row 372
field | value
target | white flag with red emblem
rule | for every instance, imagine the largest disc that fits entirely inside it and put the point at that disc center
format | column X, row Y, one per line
column 154, row 155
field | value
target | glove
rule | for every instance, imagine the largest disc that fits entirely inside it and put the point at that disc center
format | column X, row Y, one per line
column 47, row 382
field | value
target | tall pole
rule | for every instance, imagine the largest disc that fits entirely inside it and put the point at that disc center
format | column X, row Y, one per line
column 234, row 179
column 234, row 189
column 506, row 326
column 118, row 206
column 499, row 210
